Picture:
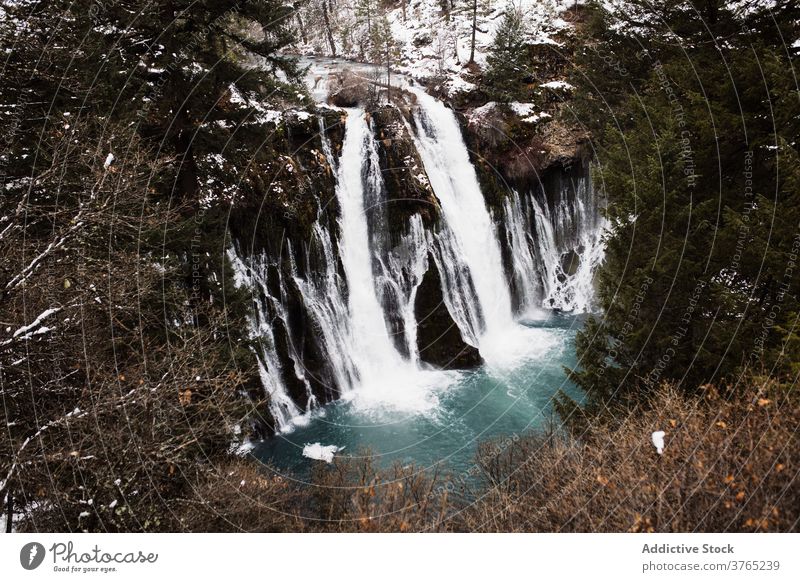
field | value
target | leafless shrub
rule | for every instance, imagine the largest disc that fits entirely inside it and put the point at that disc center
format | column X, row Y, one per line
column 117, row 383
column 728, row 465
column 353, row 495
column 240, row 495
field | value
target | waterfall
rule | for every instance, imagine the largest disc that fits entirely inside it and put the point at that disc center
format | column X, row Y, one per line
column 578, row 228
column 387, row 378
column 399, row 273
column 373, row 347
column 472, row 239
column 554, row 248
column 334, row 315
column 324, row 297
column 555, row 243
column 272, row 372
column 526, row 254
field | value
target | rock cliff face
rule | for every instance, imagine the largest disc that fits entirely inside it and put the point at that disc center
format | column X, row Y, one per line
column 515, row 152
column 275, row 236
column 408, row 190
column 296, row 182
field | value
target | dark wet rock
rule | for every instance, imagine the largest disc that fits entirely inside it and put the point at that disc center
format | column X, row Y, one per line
column 570, row 261
column 291, row 184
column 308, row 348
column 408, row 190
column 422, row 39
column 438, row 337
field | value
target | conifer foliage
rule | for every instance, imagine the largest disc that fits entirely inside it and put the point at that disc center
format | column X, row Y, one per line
column 508, row 60
column 695, row 115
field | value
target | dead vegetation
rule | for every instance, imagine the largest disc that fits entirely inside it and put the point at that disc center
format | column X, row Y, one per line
column 730, row 464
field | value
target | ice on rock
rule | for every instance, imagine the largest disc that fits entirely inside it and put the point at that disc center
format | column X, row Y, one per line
column 321, row 452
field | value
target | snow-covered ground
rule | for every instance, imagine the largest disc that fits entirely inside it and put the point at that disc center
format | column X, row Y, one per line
column 432, row 44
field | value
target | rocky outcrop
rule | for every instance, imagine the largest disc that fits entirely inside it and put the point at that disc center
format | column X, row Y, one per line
column 291, row 184
column 348, row 89
column 511, row 151
column 408, row 190
column 438, row 338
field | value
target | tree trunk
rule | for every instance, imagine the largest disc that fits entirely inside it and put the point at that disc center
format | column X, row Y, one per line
column 186, row 182
column 388, row 77
column 474, row 26
column 10, row 511
column 302, row 28
column 327, row 22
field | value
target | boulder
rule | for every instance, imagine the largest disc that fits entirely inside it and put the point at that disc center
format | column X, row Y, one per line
column 438, row 338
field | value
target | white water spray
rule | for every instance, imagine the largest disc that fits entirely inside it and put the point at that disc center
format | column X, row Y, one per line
column 386, row 378
column 455, row 183
column 359, row 291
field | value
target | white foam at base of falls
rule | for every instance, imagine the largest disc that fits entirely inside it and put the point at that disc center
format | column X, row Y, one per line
column 321, row 452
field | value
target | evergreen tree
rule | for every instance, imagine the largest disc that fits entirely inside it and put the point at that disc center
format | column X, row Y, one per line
column 508, row 62
column 385, row 50
column 697, row 155
column 366, row 12
column 475, row 9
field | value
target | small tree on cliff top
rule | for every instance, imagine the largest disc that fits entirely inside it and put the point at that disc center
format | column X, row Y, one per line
column 508, row 58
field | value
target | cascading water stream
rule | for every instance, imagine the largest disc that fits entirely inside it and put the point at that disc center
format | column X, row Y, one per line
column 455, row 183
column 526, row 262
column 374, row 348
column 284, row 410
column 386, row 379
column 554, row 254
column 355, row 289
column 473, row 241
